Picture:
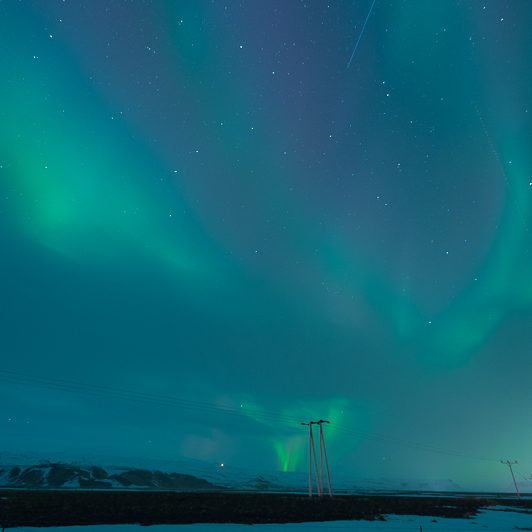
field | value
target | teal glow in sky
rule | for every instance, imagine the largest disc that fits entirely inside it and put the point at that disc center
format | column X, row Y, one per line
column 201, row 200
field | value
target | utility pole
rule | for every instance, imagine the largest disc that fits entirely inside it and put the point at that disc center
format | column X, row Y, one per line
column 313, row 462
column 323, row 457
column 312, row 458
column 318, row 487
column 510, row 463
column 319, row 484
column 309, row 460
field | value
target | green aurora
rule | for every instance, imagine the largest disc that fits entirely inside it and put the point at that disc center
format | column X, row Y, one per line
column 201, row 201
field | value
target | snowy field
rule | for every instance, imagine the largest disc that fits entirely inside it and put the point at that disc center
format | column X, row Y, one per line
column 495, row 519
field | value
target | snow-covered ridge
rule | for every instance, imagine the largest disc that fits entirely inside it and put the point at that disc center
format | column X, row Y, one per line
column 183, row 474
column 60, row 475
column 55, row 475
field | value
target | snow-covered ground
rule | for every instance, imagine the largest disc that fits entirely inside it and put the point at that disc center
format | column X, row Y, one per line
column 491, row 520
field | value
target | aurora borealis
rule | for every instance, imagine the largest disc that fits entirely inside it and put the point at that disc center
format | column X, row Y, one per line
column 201, row 200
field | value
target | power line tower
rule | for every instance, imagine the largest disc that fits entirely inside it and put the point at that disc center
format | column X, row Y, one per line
column 313, row 466
column 510, row 463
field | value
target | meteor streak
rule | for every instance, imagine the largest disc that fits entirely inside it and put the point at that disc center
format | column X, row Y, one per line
column 361, row 33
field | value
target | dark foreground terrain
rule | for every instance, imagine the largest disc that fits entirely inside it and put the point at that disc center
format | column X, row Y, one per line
column 55, row 508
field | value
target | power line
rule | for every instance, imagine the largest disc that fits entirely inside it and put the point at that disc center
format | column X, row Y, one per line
column 129, row 395
column 258, row 415
column 411, row 444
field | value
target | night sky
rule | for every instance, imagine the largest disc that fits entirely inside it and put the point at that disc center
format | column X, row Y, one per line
column 217, row 221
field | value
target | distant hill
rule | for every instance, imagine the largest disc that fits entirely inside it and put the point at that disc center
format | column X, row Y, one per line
column 96, row 473
column 60, row 475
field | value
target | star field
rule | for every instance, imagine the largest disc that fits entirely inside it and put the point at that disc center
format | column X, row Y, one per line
column 220, row 202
